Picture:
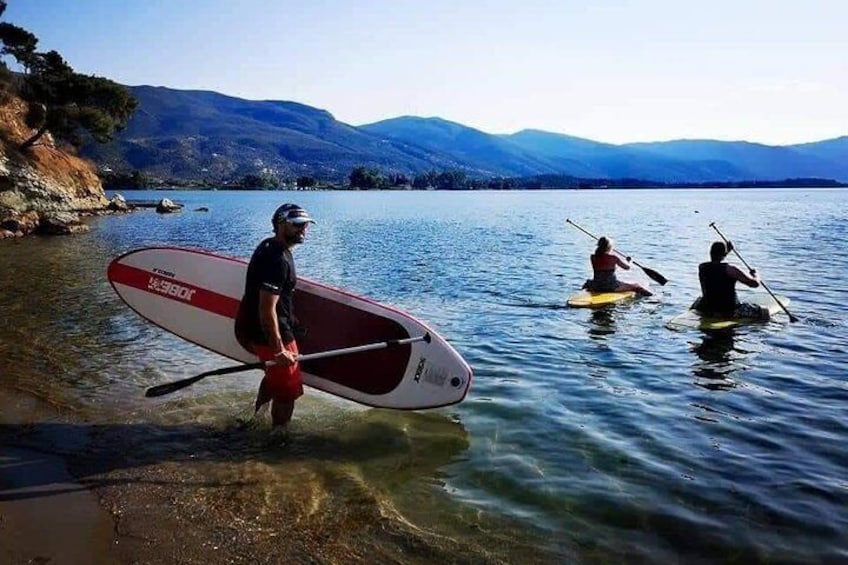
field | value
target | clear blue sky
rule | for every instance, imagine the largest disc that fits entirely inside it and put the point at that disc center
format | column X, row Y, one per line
column 769, row 71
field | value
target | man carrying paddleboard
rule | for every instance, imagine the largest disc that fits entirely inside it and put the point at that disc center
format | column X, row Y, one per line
column 265, row 324
column 718, row 287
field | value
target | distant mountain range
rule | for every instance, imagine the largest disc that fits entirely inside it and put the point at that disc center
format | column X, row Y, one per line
column 199, row 135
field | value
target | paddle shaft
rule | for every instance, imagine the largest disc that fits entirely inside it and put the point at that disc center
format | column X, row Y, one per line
column 792, row 318
column 650, row 272
column 367, row 347
column 167, row 388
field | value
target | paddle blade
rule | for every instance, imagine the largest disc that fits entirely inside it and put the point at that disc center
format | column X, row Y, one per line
column 168, row 388
column 792, row 317
column 655, row 276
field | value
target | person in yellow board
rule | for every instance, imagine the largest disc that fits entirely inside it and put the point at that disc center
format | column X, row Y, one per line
column 604, row 264
column 718, row 287
column 266, row 323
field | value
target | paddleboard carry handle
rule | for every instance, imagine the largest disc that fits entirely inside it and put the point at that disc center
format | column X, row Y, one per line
column 168, row 388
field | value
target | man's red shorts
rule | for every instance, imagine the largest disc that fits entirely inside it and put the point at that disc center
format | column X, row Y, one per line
column 281, row 382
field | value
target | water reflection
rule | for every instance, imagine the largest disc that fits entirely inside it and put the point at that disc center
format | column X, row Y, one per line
column 718, row 361
column 602, row 322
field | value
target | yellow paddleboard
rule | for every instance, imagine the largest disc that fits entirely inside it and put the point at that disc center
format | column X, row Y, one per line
column 586, row 299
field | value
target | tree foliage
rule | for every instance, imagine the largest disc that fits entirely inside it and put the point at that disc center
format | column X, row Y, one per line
column 258, row 181
column 363, row 178
column 72, row 106
column 16, row 42
column 368, row 179
column 124, row 181
column 446, row 180
column 306, row 182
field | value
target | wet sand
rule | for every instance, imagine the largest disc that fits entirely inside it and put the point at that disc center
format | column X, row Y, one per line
column 67, row 497
column 81, row 492
column 46, row 517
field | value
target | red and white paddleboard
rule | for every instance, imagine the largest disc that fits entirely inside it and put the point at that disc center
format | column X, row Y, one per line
column 195, row 295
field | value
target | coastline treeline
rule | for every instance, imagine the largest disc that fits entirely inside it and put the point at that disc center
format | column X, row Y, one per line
column 364, row 178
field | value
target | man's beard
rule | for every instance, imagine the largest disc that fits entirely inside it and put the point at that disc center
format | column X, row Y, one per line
column 295, row 238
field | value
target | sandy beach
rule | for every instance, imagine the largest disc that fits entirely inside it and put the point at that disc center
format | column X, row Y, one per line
column 46, row 517
column 82, row 492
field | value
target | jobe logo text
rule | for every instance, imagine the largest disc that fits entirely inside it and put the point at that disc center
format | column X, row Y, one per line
column 169, row 288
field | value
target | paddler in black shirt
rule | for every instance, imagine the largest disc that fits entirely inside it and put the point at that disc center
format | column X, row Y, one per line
column 718, row 287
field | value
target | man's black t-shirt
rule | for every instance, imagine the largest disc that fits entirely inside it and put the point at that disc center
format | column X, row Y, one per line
column 271, row 268
column 718, row 289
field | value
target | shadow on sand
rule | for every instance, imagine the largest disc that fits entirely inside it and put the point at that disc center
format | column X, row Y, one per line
column 416, row 444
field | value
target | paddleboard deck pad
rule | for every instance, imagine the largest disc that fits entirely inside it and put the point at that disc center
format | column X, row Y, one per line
column 195, row 295
column 694, row 320
column 586, row 299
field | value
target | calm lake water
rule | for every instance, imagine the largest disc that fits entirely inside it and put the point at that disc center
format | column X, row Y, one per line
column 586, row 436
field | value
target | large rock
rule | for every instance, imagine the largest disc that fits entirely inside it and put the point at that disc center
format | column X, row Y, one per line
column 168, row 206
column 61, row 223
column 118, row 204
column 19, row 223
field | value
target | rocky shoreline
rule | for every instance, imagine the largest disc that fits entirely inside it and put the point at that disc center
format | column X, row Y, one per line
column 45, row 189
column 14, row 223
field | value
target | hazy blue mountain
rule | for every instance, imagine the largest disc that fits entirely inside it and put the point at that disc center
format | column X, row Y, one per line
column 585, row 158
column 205, row 135
column 834, row 151
column 467, row 147
column 198, row 134
column 753, row 160
column 533, row 152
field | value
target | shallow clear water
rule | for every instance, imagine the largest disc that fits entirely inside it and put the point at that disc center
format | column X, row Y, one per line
column 596, row 435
